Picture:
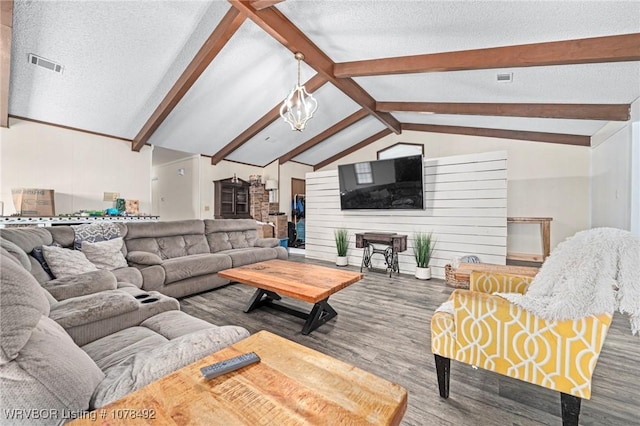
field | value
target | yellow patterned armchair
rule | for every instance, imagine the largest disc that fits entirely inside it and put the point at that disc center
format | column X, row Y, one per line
column 491, row 333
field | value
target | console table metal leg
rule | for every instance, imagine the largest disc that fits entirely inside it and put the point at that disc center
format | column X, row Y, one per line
column 320, row 313
column 366, row 258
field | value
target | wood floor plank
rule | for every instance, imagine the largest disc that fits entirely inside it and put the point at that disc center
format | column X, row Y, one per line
column 383, row 327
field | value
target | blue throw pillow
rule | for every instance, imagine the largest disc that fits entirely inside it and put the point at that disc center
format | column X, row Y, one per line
column 39, row 256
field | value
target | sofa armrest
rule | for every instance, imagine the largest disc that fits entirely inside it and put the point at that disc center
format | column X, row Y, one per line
column 128, row 275
column 143, row 258
column 488, row 282
column 92, row 307
column 81, row 284
column 267, row 242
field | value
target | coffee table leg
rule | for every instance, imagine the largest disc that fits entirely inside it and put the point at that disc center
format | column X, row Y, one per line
column 257, row 300
column 320, row 313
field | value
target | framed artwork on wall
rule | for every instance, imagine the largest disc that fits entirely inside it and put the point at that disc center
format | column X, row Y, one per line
column 401, row 149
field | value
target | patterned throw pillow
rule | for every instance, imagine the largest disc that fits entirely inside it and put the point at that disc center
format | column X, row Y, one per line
column 94, row 232
column 105, row 254
column 65, row 262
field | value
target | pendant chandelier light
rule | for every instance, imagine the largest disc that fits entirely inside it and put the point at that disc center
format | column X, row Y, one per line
column 299, row 106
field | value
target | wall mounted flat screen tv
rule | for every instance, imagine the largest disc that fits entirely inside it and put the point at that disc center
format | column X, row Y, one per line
column 395, row 183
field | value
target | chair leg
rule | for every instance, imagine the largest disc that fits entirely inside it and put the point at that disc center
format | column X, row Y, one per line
column 442, row 369
column 570, row 409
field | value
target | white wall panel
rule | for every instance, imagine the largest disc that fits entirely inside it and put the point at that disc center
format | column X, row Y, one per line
column 466, row 199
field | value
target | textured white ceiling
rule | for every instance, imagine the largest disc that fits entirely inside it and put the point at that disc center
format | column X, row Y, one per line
column 345, row 139
column 251, row 75
column 115, row 57
column 122, row 57
column 333, row 106
column 357, row 30
column 594, row 83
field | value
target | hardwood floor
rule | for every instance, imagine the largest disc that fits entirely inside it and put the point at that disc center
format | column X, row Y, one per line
column 383, row 326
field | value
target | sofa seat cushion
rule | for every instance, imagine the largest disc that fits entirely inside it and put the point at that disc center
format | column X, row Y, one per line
column 181, row 268
column 51, row 373
column 93, row 307
column 173, row 324
column 247, row 256
column 147, row 366
column 81, row 284
column 118, row 347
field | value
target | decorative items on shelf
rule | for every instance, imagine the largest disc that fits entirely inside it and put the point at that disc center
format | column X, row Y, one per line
column 423, row 245
column 342, row 244
column 255, row 180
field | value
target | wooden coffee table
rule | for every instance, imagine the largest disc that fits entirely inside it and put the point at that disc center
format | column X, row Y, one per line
column 291, row 385
column 308, row 283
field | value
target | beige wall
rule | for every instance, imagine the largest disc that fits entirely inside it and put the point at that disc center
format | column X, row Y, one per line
column 175, row 186
column 79, row 166
column 544, row 180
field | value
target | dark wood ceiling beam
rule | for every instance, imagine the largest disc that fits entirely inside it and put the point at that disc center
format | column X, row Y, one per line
column 209, row 50
column 607, row 112
column 617, row 48
column 312, row 85
column 354, row 148
column 336, row 128
column 283, row 30
column 6, row 33
column 263, row 4
column 558, row 138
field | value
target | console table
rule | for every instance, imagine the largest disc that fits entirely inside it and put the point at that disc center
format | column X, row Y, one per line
column 393, row 244
column 545, row 234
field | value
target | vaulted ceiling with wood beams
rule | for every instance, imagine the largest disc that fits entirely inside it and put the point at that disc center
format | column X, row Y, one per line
column 208, row 77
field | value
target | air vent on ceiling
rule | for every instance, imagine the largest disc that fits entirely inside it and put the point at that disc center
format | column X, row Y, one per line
column 504, row 77
column 45, row 63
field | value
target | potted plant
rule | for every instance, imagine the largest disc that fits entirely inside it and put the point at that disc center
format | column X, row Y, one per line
column 423, row 244
column 342, row 243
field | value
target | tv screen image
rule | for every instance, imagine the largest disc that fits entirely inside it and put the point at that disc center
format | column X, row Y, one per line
column 395, row 183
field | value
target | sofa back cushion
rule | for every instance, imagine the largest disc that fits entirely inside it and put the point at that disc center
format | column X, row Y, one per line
column 167, row 239
column 50, row 373
column 27, row 238
column 227, row 234
column 22, row 303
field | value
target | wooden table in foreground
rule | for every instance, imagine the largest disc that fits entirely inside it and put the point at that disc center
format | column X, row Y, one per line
column 308, row 283
column 291, row 385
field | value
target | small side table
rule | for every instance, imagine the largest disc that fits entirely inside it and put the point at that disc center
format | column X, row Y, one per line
column 393, row 244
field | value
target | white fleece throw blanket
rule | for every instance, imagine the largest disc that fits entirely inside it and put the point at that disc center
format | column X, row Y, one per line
column 594, row 272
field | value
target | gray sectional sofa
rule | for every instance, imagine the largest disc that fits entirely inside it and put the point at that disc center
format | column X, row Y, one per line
column 183, row 257
column 56, row 362
column 79, row 342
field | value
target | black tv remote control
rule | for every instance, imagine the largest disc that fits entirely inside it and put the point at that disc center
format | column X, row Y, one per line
column 214, row 370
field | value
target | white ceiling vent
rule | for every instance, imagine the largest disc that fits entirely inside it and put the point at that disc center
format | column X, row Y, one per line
column 505, row 77
column 45, row 63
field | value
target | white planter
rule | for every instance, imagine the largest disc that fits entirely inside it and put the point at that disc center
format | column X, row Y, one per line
column 341, row 261
column 423, row 273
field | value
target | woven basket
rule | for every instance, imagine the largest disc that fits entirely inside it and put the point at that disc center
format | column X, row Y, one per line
column 450, row 278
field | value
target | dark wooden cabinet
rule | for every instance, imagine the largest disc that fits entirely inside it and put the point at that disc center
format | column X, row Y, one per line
column 231, row 199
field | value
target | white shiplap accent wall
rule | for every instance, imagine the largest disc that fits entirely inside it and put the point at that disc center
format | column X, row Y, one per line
column 465, row 208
